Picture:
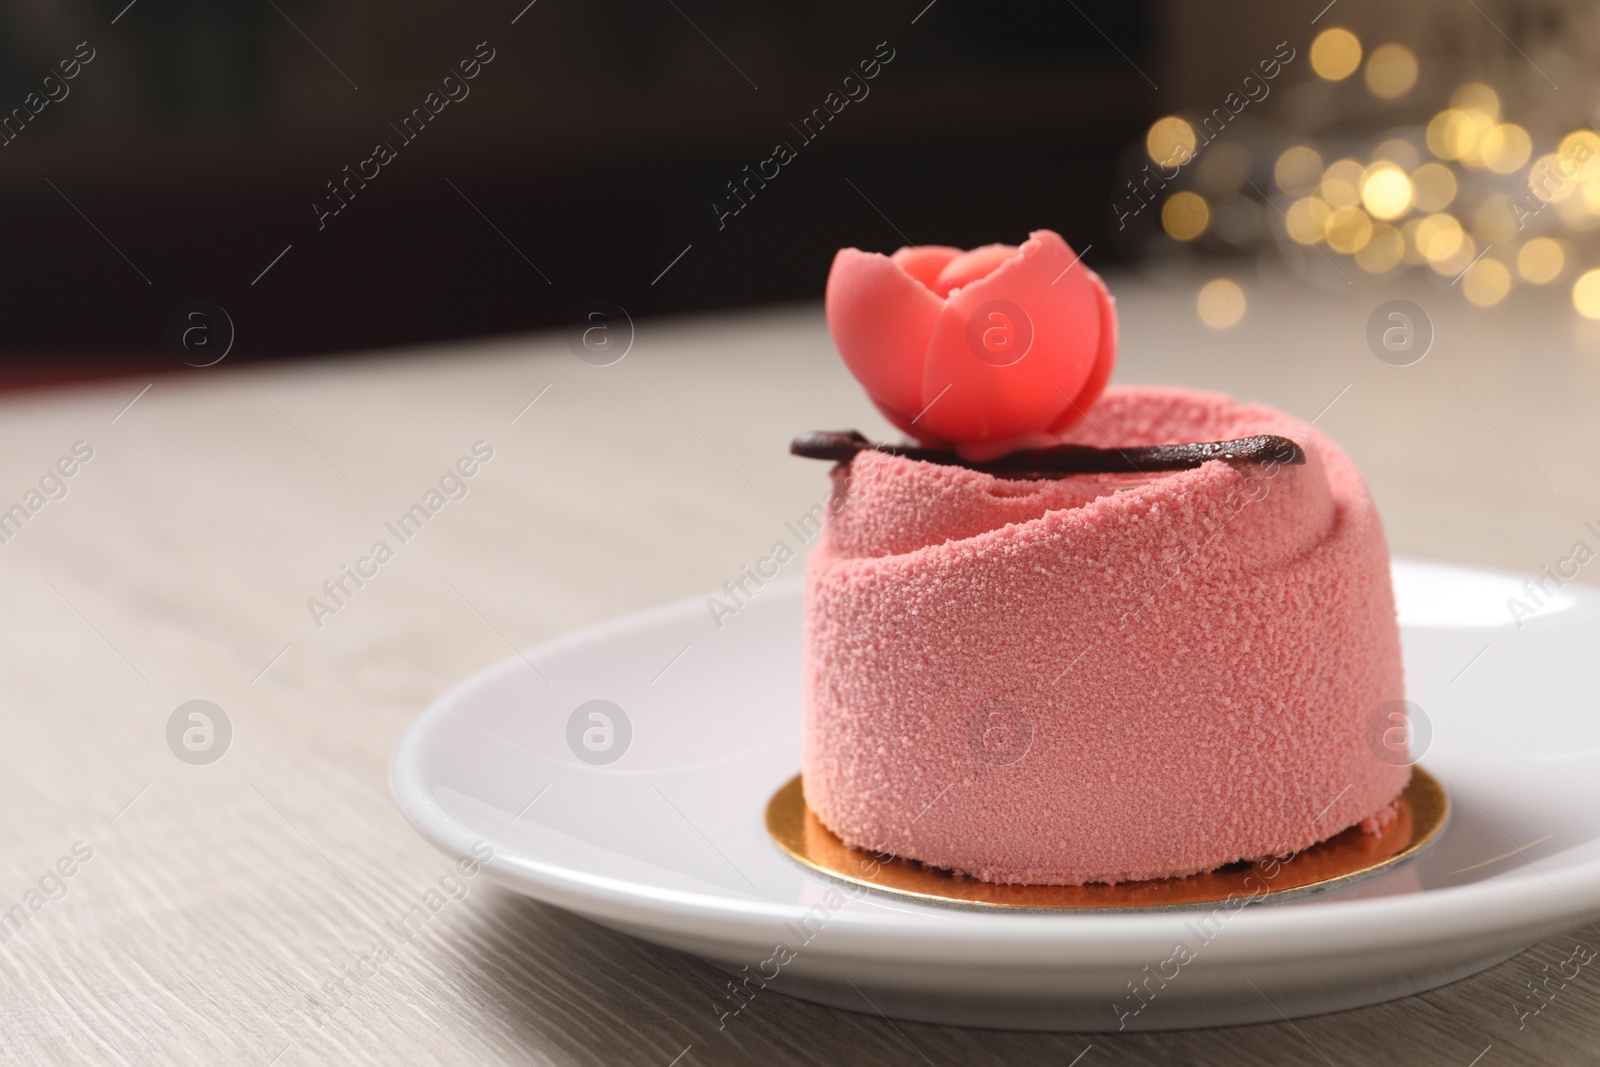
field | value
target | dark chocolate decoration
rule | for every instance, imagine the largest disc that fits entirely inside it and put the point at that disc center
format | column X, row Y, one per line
column 842, row 445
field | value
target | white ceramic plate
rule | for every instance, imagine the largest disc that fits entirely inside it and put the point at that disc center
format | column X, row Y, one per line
column 667, row 842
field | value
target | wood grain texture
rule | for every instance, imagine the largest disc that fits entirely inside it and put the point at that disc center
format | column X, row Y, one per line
column 222, row 901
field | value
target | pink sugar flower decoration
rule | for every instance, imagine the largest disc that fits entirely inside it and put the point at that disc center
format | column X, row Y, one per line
column 986, row 351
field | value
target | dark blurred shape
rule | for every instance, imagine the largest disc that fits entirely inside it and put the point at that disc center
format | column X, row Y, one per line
column 229, row 153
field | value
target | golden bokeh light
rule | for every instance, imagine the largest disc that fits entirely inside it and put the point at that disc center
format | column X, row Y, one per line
column 1587, row 138
column 1413, row 252
column 1479, row 98
column 1341, row 183
column 1586, row 294
column 1335, row 54
column 1391, row 71
column 1306, row 221
column 1505, row 147
column 1579, row 152
column 1171, row 141
column 1439, row 237
column 1435, row 186
column 1383, row 252
column 1581, row 213
column 1221, row 303
column 1455, row 133
column 1298, row 170
column 1348, row 230
column 1453, row 264
column 1457, row 188
column 1553, row 178
column 1185, row 215
column 1446, row 138
column 1386, row 191
column 1541, row 260
column 1399, row 151
column 1486, row 282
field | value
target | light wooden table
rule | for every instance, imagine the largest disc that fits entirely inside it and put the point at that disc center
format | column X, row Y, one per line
column 178, row 566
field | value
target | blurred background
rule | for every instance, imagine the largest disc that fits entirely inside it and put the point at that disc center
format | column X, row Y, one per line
column 684, row 155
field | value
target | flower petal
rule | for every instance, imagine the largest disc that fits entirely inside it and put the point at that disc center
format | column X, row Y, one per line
column 881, row 319
column 1104, row 360
column 924, row 262
column 1033, row 303
column 968, row 267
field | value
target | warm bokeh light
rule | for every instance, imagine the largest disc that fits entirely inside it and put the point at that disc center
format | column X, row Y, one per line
column 1553, row 177
column 1588, row 138
column 1399, row 151
column 1307, row 219
column 1298, row 170
column 1348, row 230
column 1454, row 134
column 1586, row 294
column 1386, row 191
column 1505, row 147
column 1453, row 264
column 1486, row 282
column 1439, row 237
column 1220, row 304
column 1435, row 186
column 1383, row 252
column 1581, row 151
column 1341, row 183
column 1171, row 141
column 1581, row 213
column 1335, row 54
column 1541, row 260
column 1477, row 97
column 1413, row 252
column 1455, row 187
column 1391, row 71
column 1185, row 215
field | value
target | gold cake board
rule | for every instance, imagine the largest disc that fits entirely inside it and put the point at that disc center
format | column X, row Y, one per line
column 1423, row 809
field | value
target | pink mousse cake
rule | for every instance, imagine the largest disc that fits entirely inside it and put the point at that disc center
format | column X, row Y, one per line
column 1101, row 678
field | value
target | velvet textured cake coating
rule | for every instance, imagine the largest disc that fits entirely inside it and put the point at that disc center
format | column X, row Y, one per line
column 1099, row 679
